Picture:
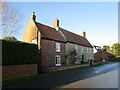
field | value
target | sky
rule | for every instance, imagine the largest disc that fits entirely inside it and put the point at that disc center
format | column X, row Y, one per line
column 98, row 19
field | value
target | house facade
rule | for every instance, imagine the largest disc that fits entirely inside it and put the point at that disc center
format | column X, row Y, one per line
column 58, row 46
column 78, row 48
column 52, row 46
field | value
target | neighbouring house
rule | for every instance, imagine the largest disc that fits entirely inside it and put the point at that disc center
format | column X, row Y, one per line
column 58, row 46
column 102, row 55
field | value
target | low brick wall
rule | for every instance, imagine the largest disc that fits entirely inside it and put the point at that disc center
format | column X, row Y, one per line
column 18, row 71
column 51, row 69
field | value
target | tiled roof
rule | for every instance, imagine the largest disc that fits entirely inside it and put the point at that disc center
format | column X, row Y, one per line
column 48, row 32
column 51, row 33
column 104, row 53
column 74, row 38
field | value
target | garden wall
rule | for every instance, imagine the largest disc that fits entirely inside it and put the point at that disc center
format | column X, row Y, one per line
column 18, row 71
column 18, row 59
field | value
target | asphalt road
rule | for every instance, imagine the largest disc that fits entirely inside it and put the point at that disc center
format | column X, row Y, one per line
column 106, row 80
column 90, row 77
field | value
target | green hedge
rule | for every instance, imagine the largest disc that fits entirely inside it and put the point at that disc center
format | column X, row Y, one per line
column 18, row 53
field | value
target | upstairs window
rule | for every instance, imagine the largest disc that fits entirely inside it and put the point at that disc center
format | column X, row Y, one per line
column 88, row 50
column 76, row 47
column 82, row 49
column 91, row 50
column 57, row 47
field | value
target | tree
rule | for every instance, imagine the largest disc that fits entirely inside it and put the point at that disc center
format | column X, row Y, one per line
column 116, row 49
column 11, row 18
column 107, row 48
column 10, row 38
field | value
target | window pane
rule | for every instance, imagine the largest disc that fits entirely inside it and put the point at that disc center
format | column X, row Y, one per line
column 57, row 60
column 57, row 47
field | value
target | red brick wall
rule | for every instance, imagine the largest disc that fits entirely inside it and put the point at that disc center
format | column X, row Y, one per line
column 51, row 69
column 49, row 52
column 18, row 71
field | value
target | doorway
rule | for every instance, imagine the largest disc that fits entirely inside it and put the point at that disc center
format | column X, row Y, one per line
column 82, row 59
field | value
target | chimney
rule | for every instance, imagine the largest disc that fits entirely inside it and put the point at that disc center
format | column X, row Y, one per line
column 33, row 17
column 84, row 34
column 56, row 23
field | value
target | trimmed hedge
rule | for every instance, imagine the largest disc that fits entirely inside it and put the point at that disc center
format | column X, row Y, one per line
column 18, row 53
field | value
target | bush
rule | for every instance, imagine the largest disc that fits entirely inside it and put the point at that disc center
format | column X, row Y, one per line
column 17, row 53
column 9, row 38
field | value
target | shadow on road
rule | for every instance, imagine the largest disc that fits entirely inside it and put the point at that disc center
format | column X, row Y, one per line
column 66, row 77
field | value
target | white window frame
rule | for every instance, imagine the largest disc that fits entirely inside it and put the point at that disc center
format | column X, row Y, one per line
column 34, row 41
column 76, row 47
column 58, row 64
column 87, row 50
column 90, row 50
column 82, row 48
column 58, row 47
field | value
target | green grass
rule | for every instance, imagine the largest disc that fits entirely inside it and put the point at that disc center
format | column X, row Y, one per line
column 36, row 77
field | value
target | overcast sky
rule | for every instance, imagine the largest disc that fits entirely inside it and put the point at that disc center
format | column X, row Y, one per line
column 98, row 19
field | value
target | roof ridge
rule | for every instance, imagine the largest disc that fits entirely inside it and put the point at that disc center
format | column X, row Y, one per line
column 61, row 28
column 72, row 32
column 79, row 39
column 45, row 25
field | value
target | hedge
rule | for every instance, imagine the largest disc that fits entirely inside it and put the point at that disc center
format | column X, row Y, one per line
column 18, row 53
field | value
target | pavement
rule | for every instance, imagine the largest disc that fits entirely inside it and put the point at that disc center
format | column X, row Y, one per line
column 106, row 80
column 94, row 77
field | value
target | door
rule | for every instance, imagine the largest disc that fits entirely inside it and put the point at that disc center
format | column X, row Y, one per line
column 82, row 59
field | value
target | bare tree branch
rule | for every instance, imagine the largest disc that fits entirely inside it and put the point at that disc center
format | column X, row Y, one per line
column 11, row 20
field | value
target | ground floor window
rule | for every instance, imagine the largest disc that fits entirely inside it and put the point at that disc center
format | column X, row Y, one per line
column 57, row 60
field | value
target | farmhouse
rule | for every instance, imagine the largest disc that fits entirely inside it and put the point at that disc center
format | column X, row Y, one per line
column 58, row 46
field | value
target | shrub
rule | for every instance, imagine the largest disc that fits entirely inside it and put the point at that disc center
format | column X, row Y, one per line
column 10, row 38
column 17, row 53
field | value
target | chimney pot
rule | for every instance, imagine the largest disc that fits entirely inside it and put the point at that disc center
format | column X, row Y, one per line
column 84, row 34
column 33, row 16
column 56, row 23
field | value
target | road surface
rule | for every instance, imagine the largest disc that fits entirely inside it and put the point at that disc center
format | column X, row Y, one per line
column 105, row 76
column 106, row 80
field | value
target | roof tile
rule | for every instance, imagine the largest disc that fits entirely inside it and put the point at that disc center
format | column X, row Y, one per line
column 49, row 32
column 72, row 37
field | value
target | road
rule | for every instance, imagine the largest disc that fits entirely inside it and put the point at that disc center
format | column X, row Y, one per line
column 105, row 76
column 106, row 80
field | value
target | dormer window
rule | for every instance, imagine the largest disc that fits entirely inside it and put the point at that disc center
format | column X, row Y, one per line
column 57, row 47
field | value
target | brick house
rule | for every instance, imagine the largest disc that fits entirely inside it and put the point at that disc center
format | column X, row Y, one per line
column 103, row 55
column 57, row 46
column 78, row 48
column 52, row 46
